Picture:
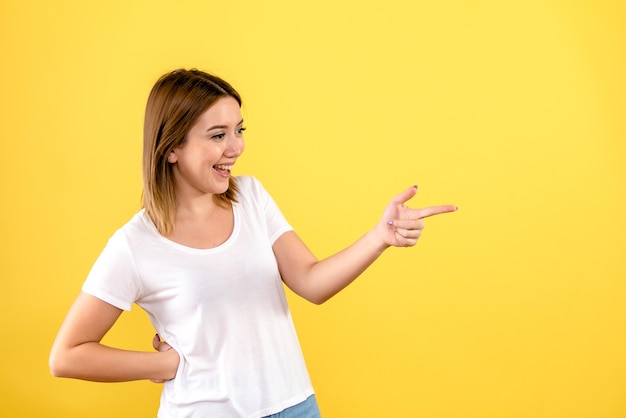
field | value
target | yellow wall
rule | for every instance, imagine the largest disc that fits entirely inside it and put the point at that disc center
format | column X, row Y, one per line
column 515, row 111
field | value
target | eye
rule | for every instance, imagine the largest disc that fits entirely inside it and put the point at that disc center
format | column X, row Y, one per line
column 240, row 130
column 218, row 136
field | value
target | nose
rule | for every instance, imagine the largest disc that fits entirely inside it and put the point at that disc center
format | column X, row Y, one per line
column 235, row 146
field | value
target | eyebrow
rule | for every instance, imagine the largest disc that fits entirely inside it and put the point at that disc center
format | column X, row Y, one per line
column 222, row 126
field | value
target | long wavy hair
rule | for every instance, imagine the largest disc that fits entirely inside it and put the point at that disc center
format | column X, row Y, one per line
column 174, row 105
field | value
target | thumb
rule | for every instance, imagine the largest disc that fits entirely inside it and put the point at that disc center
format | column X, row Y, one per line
column 405, row 195
column 156, row 342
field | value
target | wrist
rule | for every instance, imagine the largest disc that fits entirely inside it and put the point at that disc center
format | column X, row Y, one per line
column 171, row 360
column 377, row 237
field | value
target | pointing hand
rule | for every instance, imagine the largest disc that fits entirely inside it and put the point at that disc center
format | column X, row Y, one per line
column 402, row 226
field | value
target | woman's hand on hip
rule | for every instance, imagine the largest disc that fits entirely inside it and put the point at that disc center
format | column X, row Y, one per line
column 170, row 356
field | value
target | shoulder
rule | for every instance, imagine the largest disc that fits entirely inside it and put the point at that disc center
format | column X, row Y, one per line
column 139, row 227
column 247, row 182
column 249, row 187
column 140, row 222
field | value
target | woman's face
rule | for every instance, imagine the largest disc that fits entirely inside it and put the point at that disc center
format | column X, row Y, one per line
column 203, row 163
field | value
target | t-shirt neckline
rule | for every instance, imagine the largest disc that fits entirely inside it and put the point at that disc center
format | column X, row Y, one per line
column 224, row 245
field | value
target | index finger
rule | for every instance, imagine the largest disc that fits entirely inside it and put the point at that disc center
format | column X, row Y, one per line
column 435, row 210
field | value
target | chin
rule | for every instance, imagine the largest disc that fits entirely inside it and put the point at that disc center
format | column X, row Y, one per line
column 220, row 190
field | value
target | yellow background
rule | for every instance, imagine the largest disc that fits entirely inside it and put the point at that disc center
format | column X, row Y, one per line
column 515, row 111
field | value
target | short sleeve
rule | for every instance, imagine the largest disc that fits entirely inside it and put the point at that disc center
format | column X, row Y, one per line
column 113, row 277
column 276, row 223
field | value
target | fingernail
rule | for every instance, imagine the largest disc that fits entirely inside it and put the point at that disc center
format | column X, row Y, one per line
column 390, row 223
column 415, row 185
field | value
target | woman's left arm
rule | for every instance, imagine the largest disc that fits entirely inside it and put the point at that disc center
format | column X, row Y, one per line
column 317, row 281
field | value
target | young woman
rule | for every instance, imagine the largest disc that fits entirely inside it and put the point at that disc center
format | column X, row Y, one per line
column 206, row 258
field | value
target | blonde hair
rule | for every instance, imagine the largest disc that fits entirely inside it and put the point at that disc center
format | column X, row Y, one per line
column 174, row 104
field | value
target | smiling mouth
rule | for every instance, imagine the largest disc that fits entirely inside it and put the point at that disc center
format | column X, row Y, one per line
column 221, row 168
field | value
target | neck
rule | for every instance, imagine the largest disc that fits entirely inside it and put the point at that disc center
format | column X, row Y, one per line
column 197, row 207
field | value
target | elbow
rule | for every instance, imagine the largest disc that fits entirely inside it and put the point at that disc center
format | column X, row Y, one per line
column 55, row 367
column 58, row 365
column 316, row 295
column 56, row 372
column 318, row 299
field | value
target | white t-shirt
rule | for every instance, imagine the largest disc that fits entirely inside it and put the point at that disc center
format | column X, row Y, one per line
column 222, row 309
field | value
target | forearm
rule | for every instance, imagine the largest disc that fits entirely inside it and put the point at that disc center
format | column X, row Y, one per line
column 96, row 362
column 317, row 281
column 331, row 275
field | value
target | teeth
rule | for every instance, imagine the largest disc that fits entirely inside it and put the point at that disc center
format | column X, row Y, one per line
column 224, row 167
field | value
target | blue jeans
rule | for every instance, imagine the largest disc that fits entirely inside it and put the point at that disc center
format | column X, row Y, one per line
column 305, row 409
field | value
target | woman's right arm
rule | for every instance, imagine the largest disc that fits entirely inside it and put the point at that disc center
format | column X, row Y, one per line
column 77, row 352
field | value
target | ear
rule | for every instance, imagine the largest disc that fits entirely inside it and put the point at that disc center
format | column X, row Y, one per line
column 172, row 158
